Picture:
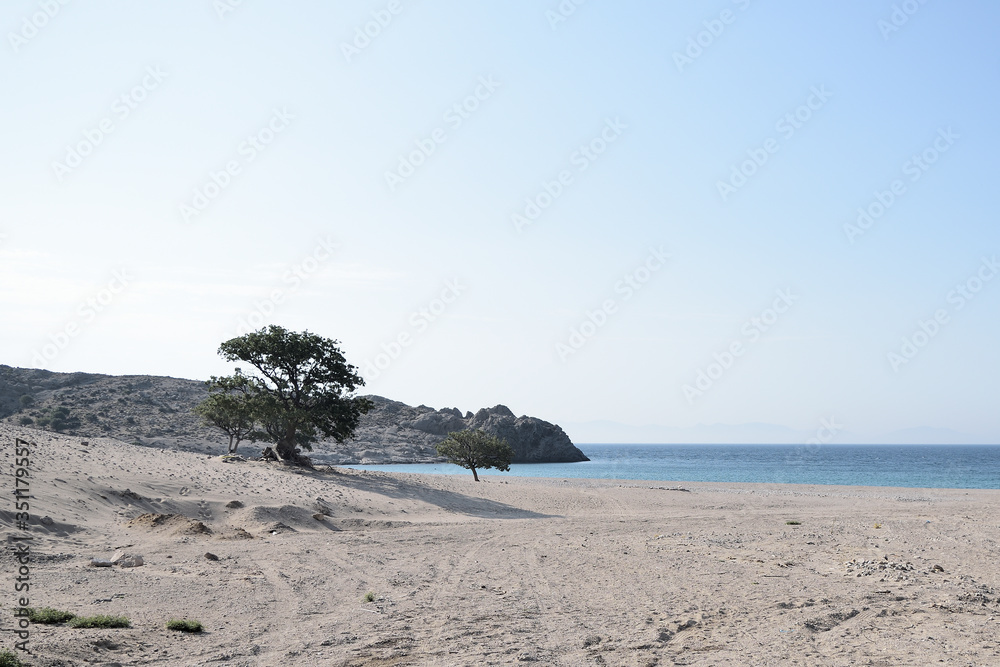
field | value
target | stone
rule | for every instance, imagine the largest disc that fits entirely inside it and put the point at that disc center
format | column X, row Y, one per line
column 210, row 556
column 101, row 562
column 124, row 559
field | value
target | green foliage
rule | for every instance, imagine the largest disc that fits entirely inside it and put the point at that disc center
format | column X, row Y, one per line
column 474, row 449
column 230, row 406
column 58, row 419
column 9, row 659
column 99, row 621
column 26, row 401
column 793, row 523
column 303, row 390
column 370, row 596
column 25, row 420
column 184, row 625
column 48, row 615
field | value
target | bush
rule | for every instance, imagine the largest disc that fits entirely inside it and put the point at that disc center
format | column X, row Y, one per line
column 9, row 659
column 26, row 420
column 370, row 596
column 184, row 625
column 48, row 615
column 793, row 523
column 58, row 419
column 99, row 621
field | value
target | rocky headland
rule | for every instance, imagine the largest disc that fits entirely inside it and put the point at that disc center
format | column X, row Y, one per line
column 157, row 412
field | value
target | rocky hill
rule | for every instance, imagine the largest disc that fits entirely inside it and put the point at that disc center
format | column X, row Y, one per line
column 156, row 411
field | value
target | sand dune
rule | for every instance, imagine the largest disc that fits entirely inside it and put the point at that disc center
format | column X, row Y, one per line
column 510, row 570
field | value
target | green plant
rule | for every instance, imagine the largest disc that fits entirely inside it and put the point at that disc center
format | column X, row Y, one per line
column 793, row 523
column 302, row 391
column 370, row 596
column 48, row 615
column 473, row 449
column 25, row 420
column 58, row 419
column 184, row 625
column 9, row 659
column 99, row 621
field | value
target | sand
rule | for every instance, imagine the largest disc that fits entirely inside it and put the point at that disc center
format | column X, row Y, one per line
column 506, row 571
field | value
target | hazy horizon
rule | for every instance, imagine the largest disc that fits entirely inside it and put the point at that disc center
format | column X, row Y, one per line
column 727, row 213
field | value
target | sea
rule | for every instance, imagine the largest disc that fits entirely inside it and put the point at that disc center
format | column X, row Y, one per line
column 913, row 466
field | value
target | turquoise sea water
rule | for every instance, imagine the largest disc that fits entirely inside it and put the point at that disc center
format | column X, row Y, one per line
column 919, row 466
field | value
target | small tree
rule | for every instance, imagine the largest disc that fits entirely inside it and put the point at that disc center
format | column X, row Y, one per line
column 230, row 407
column 473, row 449
column 303, row 389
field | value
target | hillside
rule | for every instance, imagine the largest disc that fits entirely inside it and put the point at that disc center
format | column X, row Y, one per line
column 157, row 411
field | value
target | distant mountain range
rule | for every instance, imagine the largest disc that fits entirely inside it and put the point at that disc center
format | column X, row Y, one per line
column 609, row 432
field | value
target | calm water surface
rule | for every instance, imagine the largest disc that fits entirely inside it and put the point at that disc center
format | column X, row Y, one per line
column 921, row 466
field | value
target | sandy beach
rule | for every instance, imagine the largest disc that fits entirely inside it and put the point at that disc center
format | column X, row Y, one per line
column 506, row 571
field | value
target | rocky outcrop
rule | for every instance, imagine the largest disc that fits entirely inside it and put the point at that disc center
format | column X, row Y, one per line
column 156, row 411
column 533, row 440
column 396, row 432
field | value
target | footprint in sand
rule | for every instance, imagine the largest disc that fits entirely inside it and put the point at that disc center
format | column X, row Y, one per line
column 183, row 491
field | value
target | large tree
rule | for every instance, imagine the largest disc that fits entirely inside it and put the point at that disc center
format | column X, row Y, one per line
column 473, row 449
column 302, row 389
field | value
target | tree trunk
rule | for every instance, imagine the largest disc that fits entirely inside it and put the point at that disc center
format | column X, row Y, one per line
column 285, row 448
column 474, row 475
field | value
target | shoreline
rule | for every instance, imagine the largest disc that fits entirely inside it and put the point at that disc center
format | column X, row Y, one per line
column 556, row 571
column 686, row 485
column 483, row 475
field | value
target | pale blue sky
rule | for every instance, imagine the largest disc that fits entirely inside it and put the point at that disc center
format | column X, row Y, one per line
column 198, row 81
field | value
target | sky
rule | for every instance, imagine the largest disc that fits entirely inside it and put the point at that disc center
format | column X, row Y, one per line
column 669, row 214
